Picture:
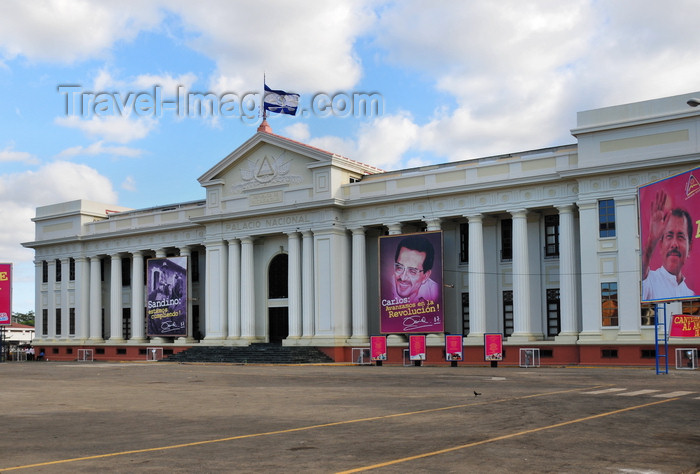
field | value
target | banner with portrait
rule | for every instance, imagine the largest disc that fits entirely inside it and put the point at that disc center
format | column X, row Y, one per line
column 166, row 303
column 493, row 346
column 417, row 347
column 454, row 347
column 378, row 346
column 668, row 213
column 410, row 275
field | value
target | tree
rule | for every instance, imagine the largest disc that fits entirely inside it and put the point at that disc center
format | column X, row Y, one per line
column 24, row 318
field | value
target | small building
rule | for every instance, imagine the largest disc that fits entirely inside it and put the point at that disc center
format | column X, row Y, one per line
column 541, row 246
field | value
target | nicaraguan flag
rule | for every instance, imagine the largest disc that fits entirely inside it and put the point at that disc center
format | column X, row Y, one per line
column 280, row 102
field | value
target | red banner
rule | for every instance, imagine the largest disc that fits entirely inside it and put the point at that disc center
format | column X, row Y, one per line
column 378, row 347
column 5, row 293
column 669, row 212
column 416, row 346
column 453, row 347
column 493, row 347
column 685, row 325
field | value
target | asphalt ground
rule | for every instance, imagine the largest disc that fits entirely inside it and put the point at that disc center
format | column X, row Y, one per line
column 168, row 417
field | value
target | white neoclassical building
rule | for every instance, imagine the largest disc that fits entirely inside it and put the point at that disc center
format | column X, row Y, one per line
column 541, row 246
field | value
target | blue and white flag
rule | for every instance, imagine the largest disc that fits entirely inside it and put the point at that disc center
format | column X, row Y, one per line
column 280, row 102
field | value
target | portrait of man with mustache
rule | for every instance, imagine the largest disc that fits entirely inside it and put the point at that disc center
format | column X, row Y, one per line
column 670, row 231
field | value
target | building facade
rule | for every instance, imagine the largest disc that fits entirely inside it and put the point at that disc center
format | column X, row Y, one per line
column 540, row 246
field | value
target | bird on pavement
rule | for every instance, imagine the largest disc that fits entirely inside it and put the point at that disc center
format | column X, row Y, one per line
column 476, row 394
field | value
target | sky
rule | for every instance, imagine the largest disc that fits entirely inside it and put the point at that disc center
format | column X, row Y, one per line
column 99, row 100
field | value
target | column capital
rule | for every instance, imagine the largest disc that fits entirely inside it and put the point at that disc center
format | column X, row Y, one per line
column 358, row 230
column 476, row 217
column 394, row 228
column 520, row 213
column 433, row 224
column 565, row 208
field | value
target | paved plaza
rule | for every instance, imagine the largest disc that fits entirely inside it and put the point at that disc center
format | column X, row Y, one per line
column 169, row 417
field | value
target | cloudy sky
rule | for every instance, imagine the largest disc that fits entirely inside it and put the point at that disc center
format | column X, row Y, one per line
column 94, row 94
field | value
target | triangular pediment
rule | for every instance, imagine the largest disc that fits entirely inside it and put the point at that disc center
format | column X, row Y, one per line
column 265, row 160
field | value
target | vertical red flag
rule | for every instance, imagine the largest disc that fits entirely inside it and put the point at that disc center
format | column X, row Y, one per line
column 5, row 293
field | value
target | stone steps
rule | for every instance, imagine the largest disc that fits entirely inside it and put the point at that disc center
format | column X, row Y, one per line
column 253, row 354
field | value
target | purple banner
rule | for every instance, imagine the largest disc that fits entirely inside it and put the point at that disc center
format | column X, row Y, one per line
column 410, row 271
column 166, row 310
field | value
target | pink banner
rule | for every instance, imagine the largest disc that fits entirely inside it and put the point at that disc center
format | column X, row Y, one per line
column 668, row 213
column 453, row 347
column 378, row 346
column 5, row 293
column 493, row 347
column 684, row 325
column 416, row 346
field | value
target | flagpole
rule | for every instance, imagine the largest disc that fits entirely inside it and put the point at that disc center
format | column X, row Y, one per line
column 264, row 114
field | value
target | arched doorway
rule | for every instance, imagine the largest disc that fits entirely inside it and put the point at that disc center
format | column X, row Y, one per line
column 278, row 312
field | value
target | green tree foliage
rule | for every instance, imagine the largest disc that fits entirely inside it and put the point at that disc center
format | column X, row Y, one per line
column 23, row 318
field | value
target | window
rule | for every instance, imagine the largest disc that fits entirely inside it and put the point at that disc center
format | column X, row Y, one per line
column 608, row 295
column 58, row 321
column 58, row 270
column 691, row 307
column 126, row 323
column 464, row 243
column 44, row 322
column 194, row 260
column 606, row 217
column 508, row 313
column 553, row 312
column 506, row 239
column 551, row 235
column 648, row 314
column 71, row 321
column 44, row 271
column 71, row 269
column 465, row 314
column 126, row 272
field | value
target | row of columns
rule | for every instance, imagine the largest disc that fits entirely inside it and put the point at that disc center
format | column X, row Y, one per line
column 88, row 301
column 230, row 286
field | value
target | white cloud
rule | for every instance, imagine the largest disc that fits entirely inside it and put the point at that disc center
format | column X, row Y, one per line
column 99, row 148
column 129, row 183
column 9, row 155
column 302, row 47
column 118, row 129
column 64, row 31
column 21, row 193
column 167, row 82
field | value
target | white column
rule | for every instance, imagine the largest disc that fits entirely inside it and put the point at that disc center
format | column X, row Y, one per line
column 52, row 300
column 39, row 310
column 359, row 286
column 247, row 289
column 82, row 298
column 216, row 288
column 307, row 284
column 138, row 300
column 234, row 289
column 115, row 300
column 477, row 280
column 294, row 286
column 590, row 271
column 185, row 251
column 65, row 312
column 628, row 268
column 568, row 290
column 522, row 324
column 95, row 299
